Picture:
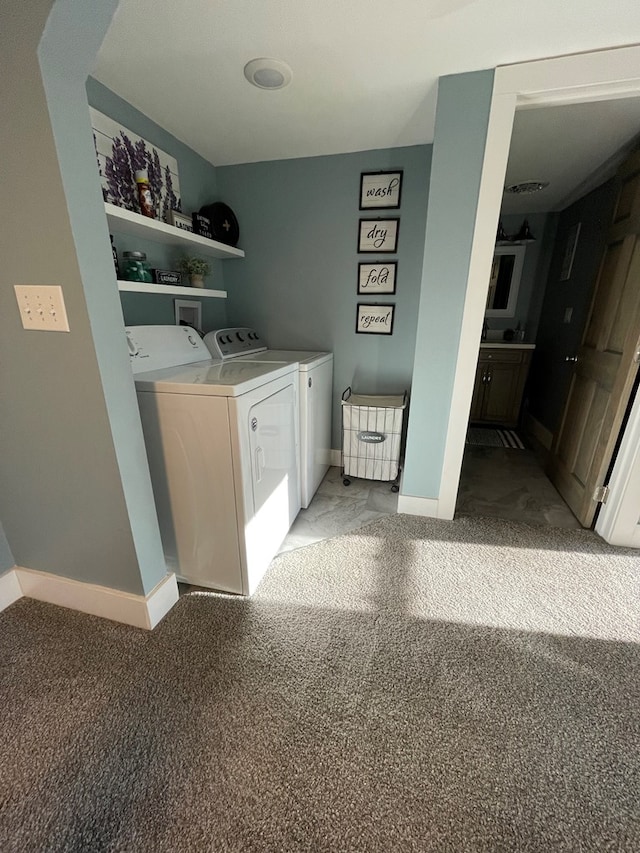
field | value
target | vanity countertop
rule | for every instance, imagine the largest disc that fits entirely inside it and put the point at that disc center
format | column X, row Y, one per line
column 506, row 345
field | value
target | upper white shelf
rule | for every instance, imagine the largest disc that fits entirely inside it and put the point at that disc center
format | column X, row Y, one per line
column 152, row 229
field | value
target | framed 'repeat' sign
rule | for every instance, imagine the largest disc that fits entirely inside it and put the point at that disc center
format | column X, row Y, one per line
column 375, row 319
column 380, row 189
column 378, row 235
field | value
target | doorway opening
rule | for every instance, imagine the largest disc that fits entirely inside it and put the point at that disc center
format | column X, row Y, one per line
column 549, row 249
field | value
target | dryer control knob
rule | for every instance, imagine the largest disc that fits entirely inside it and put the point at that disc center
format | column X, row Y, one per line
column 239, row 336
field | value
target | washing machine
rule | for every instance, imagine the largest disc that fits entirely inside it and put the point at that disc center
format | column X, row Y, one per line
column 315, row 396
column 222, row 444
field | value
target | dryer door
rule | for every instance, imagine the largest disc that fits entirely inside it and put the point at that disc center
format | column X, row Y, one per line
column 272, row 496
column 272, row 437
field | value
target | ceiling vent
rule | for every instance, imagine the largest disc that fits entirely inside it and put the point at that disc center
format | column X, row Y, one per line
column 268, row 73
column 526, row 187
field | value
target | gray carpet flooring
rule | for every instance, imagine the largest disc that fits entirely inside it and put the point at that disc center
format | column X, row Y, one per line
column 413, row 686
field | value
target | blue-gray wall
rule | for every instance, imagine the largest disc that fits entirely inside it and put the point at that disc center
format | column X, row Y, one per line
column 76, row 495
column 298, row 284
column 198, row 186
column 6, row 557
column 550, row 375
column 462, row 117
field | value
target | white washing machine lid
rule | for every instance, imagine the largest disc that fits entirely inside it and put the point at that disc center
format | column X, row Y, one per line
column 212, row 378
column 305, row 359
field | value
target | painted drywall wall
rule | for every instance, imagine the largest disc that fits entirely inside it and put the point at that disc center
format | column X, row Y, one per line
column 298, row 284
column 197, row 187
column 6, row 557
column 462, row 116
column 76, row 498
column 534, row 272
column 550, row 374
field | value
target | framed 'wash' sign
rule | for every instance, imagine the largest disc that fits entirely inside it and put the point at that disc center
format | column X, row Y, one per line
column 378, row 235
column 380, row 189
column 377, row 278
column 375, row 319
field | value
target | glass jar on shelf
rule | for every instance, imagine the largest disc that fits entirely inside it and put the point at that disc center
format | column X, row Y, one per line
column 135, row 267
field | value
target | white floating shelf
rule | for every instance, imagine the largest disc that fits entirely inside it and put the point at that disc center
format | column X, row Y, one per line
column 170, row 289
column 152, row 229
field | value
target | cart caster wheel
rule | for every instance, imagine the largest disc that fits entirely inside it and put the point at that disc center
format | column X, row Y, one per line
column 395, row 488
column 346, row 481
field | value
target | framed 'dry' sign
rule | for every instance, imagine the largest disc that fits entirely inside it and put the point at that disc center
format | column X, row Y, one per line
column 378, row 235
column 380, row 189
column 374, row 319
column 377, row 278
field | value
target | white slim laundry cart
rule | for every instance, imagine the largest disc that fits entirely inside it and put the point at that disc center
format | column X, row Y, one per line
column 221, row 442
column 372, row 436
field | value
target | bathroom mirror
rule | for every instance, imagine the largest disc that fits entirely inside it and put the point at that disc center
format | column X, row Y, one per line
column 504, row 283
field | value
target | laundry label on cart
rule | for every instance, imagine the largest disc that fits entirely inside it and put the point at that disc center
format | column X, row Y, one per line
column 371, row 437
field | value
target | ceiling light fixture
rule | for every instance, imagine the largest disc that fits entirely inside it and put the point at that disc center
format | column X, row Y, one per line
column 525, row 187
column 268, row 73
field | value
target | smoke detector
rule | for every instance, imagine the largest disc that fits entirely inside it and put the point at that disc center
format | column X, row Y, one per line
column 526, row 187
column 268, row 73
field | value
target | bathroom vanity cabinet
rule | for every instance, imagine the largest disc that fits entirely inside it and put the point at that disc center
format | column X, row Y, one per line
column 499, row 384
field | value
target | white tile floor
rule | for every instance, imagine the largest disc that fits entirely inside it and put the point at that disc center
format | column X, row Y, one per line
column 511, row 484
column 496, row 482
column 337, row 508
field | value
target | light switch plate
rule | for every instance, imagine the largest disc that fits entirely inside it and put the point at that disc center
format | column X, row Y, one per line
column 42, row 307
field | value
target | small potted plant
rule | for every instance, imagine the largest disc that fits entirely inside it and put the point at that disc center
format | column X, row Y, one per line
column 196, row 269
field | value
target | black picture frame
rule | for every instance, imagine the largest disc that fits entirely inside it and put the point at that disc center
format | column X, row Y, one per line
column 372, row 235
column 373, row 281
column 377, row 327
column 381, row 190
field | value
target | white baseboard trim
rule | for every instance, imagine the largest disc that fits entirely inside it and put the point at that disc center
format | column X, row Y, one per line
column 539, row 431
column 137, row 610
column 412, row 505
column 336, row 458
column 161, row 599
column 10, row 589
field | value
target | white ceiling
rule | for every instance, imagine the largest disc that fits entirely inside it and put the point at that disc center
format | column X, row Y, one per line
column 364, row 72
column 573, row 147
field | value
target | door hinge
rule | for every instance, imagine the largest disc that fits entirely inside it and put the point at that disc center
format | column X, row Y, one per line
column 600, row 494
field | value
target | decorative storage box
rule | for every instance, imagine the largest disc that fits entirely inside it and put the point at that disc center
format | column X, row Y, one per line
column 371, row 435
column 201, row 225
